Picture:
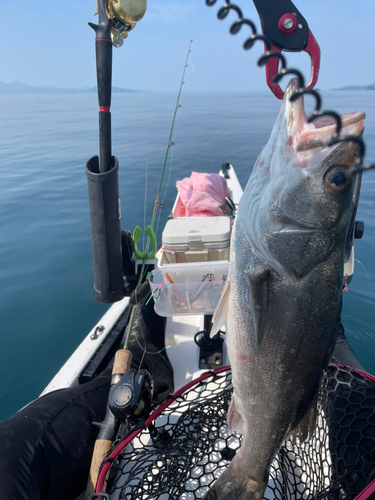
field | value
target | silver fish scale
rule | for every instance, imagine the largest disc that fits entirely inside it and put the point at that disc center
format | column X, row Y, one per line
column 276, row 382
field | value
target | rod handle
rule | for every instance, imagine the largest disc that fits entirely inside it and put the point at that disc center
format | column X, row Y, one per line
column 122, row 362
column 110, row 425
column 102, row 447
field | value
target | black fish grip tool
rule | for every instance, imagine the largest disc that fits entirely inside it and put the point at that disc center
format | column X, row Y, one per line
column 288, row 31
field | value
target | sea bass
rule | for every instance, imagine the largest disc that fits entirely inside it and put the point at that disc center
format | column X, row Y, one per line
column 282, row 303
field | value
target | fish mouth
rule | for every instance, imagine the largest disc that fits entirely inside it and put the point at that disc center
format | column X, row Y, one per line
column 326, row 126
column 307, row 136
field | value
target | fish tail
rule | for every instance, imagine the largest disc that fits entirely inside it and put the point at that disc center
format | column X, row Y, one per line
column 226, row 488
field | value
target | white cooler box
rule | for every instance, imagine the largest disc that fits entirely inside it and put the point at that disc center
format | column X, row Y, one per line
column 196, row 239
column 192, row 288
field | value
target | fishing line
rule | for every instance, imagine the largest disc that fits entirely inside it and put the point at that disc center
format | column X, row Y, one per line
column 169, row 172
column 202, row 135
column 368, row 298
column 140, row 363
column 360, row 334
column 156, row 205
column 137, row 323
column 210, row 155
column 170, row 144
column 172, row 153
column 147, row 163
column 145, row 207
column 145, row 351
column 363, row 267
column 169, row 176
column 165, row 193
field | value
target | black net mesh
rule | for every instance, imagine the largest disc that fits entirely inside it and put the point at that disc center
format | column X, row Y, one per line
column 195, row 446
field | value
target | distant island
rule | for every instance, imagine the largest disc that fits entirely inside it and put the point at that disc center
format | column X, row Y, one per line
column 21, row 88
column 371, row 86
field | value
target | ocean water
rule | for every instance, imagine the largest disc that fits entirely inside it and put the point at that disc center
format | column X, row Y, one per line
column 46, row 303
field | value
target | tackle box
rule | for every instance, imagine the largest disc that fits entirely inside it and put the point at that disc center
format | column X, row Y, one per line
column 192, row 288
column 196, row 239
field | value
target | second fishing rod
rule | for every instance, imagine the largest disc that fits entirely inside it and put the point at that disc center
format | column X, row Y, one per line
column 151, row 238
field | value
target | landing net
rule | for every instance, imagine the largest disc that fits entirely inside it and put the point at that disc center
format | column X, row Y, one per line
column 195, row 447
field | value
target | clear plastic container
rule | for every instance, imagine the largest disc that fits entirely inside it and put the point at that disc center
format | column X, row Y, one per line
column 192, row 288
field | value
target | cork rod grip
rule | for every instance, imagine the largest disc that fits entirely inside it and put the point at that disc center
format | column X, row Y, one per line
column 122, row 362
column 101, row 449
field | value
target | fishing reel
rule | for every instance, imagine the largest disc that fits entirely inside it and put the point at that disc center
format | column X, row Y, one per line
column 132, row 395
column 124, row 15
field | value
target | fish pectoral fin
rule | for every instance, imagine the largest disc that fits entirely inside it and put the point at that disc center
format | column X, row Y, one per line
column 306, row 426
column 221, row 312
column 259, row 289
column 234, row 419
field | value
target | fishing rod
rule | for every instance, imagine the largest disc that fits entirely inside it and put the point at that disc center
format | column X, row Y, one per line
column 114, row 24
column 116, row 19
column 123, row 400
column 146, row 255
column 150, row 229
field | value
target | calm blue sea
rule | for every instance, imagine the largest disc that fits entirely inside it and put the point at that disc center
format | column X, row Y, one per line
column 46, row 303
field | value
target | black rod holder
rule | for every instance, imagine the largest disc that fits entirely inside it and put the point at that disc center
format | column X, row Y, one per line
column 104, row 207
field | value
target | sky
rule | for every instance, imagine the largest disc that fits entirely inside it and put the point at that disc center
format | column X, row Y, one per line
column 49, row 43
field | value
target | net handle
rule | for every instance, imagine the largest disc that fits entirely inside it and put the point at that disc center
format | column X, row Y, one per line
column 367, row 375
column 367, row 493
column 129, row 438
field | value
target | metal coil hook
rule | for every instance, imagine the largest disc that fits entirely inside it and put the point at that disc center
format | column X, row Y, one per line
column 302, row 91
column 237, row 25
column 250, row 42
column 351, row 138
column 270, row 60
column 269, row 55
column 224, row 11
column 295, row 72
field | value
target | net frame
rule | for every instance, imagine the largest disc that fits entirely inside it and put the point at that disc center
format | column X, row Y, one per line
column 365, row 494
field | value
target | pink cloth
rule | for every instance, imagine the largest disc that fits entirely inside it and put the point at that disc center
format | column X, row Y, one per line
column 201, row 194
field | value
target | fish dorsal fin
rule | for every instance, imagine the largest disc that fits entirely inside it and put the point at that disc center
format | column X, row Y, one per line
column 306, row 426
column 259, row 289
column 221, row 312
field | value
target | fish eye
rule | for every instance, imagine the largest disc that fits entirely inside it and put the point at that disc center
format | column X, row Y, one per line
column 337, row 179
